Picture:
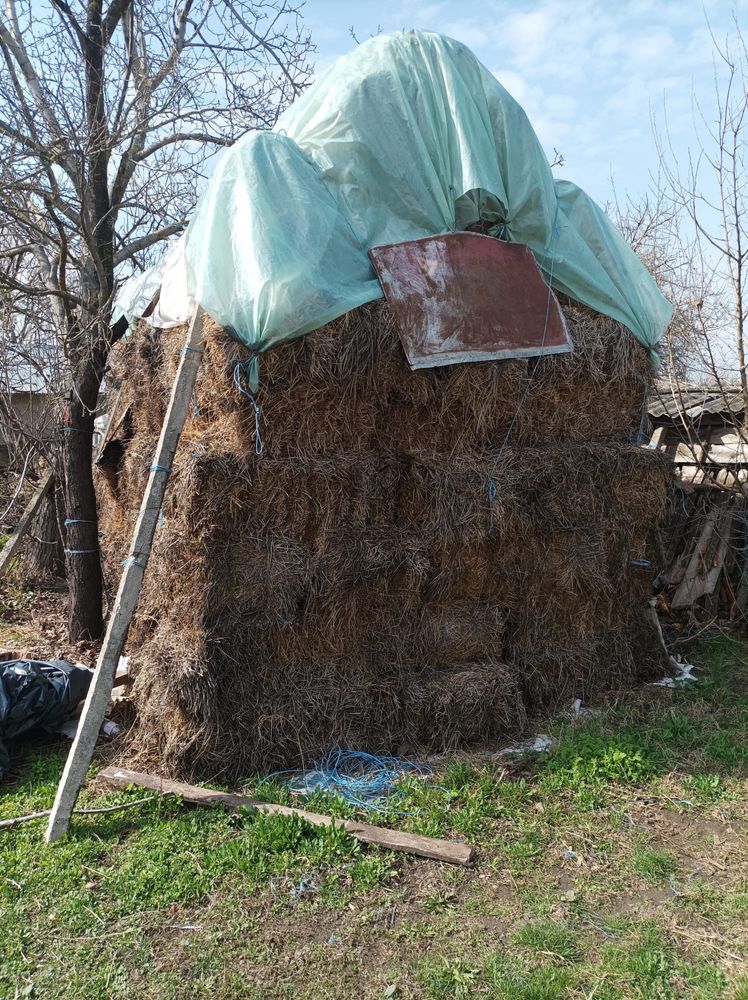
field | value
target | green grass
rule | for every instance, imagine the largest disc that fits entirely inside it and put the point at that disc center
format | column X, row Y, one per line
column 549, row 938
column 654, row 865
column 613, row 867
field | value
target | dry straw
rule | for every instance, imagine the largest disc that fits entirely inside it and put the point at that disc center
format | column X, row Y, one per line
column 352, row 587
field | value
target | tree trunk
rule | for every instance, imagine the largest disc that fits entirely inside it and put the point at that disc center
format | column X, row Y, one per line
column 82, row 539
column 44, row 553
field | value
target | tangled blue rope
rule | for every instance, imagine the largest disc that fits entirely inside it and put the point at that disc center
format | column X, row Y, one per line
column 364, row 780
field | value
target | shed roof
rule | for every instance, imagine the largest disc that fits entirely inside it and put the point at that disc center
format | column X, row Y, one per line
column 674, row 402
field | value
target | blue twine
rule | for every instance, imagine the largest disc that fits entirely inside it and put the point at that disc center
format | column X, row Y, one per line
column 679, row 489
column 192, row 350
column 240, row 367
column 362, row 779
column 641, row 436
column 80, row 552
column 555, row 233
column 159, row 468
column 640, row 562
column 132, row 561
column 64, row 429
column 76, row 520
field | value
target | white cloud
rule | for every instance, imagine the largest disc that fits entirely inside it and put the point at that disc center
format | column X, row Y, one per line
column 515, row 83
column 589, row 73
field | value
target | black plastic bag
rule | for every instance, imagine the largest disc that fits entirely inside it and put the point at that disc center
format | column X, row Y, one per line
column 37, row 694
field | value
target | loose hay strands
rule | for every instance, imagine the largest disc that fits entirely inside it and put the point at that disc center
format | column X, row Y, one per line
column 345, row 589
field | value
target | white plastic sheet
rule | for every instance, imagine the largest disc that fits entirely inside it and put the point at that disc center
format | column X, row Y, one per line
column 405, row 137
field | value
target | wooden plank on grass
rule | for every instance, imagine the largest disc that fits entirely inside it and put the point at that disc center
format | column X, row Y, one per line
column 16, row 537
column 130, row 583
column 394, row 840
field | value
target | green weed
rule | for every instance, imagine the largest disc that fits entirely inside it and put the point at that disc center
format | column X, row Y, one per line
column 654, row 865
column 513, row 980
column 550, row 938
column 704, row 789
column 438, row 902
column 449, row 979
column 589, row 757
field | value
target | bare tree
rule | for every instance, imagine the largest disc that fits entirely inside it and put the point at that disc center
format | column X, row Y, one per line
column 708, row 195
column 109, row 114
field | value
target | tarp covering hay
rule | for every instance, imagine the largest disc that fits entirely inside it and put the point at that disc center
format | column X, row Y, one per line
column 353, row 586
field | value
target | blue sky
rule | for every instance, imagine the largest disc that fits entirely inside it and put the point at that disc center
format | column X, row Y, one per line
column 589, row 73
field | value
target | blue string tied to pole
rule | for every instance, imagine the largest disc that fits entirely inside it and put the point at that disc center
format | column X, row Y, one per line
column 244, row 374
column 76, row 520
column 132, row 561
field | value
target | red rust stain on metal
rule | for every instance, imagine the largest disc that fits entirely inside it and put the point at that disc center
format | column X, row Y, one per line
column 466, row 297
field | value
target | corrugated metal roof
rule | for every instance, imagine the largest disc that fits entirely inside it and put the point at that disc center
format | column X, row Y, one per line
column 18, row 374
column 693, row 402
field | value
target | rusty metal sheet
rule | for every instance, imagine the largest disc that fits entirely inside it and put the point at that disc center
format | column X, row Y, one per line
column 466, row 297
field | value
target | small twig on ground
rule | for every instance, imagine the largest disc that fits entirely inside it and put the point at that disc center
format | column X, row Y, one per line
column 709, row 944
column 17, row 820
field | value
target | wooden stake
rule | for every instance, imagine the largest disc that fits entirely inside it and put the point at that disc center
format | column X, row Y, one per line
column 15, row 539
column 130, row 583
column 394, row 840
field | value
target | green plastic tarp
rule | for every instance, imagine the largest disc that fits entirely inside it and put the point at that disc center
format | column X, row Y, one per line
column 407, row 136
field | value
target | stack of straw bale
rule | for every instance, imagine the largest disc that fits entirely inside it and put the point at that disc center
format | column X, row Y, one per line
column 353, row 586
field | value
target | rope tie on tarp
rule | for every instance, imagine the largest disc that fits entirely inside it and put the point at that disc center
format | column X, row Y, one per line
column 491, row 486
column 242, row 381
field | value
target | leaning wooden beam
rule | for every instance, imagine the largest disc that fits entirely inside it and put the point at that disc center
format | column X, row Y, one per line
column 394, row 840
column 130, row 583
column 16, row 537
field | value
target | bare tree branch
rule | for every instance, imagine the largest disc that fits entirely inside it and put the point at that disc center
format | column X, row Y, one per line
column 110, row 114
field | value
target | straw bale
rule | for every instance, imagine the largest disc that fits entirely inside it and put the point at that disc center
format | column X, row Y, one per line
column 355, row 585
column 347, row 386
column 465, row 705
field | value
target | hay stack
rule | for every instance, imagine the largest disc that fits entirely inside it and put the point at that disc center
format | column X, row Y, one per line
column 353, row 586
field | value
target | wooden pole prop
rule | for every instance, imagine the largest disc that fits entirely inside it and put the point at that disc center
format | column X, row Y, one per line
column 130, row 583
column 16, row 537
column 394, row 840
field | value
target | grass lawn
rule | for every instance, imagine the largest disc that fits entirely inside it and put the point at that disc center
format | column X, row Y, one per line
column 614, row 866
